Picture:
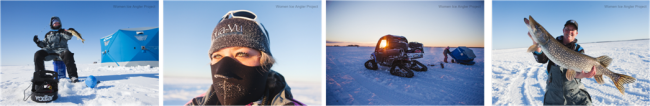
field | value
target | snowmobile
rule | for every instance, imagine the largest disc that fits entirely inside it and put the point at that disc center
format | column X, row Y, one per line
column 394, row 51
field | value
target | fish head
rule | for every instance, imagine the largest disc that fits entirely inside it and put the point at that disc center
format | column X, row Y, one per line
column 537, row 31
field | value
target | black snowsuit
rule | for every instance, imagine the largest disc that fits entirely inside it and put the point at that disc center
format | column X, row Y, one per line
column 559, row 90
column 55, row 44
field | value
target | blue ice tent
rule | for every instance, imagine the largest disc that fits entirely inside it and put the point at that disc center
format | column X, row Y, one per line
column 463, row 55
column 131, row 47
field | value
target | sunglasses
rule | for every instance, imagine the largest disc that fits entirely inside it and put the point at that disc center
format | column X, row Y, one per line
column 245, row 14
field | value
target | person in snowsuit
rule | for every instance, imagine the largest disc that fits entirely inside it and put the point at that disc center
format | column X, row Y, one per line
column 559, row 90
column 241, row 64
column 447, row 52
column 56, row 43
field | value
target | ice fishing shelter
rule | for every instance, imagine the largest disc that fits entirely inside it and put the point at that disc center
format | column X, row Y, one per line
column 463, row 55
column 131, row 47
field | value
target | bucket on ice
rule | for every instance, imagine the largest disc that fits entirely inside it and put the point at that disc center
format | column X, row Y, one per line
column 91, row 81
column 59, row 68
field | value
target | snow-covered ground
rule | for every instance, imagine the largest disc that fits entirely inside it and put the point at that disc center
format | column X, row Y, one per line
column 118, row 86
column 518, row 80
column 180, row 90
column 350, row 83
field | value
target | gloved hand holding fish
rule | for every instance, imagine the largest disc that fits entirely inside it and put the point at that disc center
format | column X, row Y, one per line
column 572, row 60
column 75, row 33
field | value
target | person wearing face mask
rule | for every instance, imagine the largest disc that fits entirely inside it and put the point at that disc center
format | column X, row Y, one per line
column 240, row 63
column 559, row 90
column 56, row 43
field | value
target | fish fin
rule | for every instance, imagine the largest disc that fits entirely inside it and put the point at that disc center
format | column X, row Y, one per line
column 532, row 48
column 599, row 79
column 570, row 74
column 620, row 79
column 604, row 60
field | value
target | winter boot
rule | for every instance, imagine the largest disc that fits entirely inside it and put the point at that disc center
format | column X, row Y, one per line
column 74, row 79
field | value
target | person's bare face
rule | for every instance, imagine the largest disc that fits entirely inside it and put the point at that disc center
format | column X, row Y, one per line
column 570, row 33
column 244, row 55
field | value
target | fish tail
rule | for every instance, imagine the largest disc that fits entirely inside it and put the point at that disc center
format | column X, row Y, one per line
column 620, row 79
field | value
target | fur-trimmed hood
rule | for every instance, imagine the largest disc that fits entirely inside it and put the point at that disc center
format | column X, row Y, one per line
column 52, row 20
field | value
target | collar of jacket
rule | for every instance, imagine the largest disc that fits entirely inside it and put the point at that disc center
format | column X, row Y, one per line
column 276, row 93
column 570, row 45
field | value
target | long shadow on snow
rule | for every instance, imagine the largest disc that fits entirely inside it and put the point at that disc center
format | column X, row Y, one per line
column 615, row 96
column 122, row 77
column 541, row 92
column 105, row 87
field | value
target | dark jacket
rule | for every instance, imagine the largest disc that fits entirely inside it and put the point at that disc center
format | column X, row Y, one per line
column 56, row 40
column 277, row 93
column 559, row 90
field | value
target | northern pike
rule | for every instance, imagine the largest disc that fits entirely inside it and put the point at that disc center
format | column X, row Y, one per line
column 572, row 60
column 75, row 33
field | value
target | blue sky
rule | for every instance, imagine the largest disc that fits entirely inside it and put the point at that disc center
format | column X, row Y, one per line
column 595, row 22
column 364, row 22
column 22, row 20
column 1, row 9
column 295, row 36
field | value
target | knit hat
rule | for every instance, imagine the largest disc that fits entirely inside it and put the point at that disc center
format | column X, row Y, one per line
column 240, row 28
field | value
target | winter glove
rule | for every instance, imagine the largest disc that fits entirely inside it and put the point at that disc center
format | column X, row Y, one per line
column 37, row 41
column 65, row 32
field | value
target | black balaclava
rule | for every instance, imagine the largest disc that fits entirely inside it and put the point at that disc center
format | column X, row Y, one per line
column 55, row 18
column 237, row 84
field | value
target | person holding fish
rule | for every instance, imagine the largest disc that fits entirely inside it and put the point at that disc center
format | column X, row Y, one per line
column 567, row 65
column 56, row 43
column 560, row 90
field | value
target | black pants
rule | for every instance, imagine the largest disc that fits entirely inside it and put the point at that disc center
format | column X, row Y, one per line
column 68, row 59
